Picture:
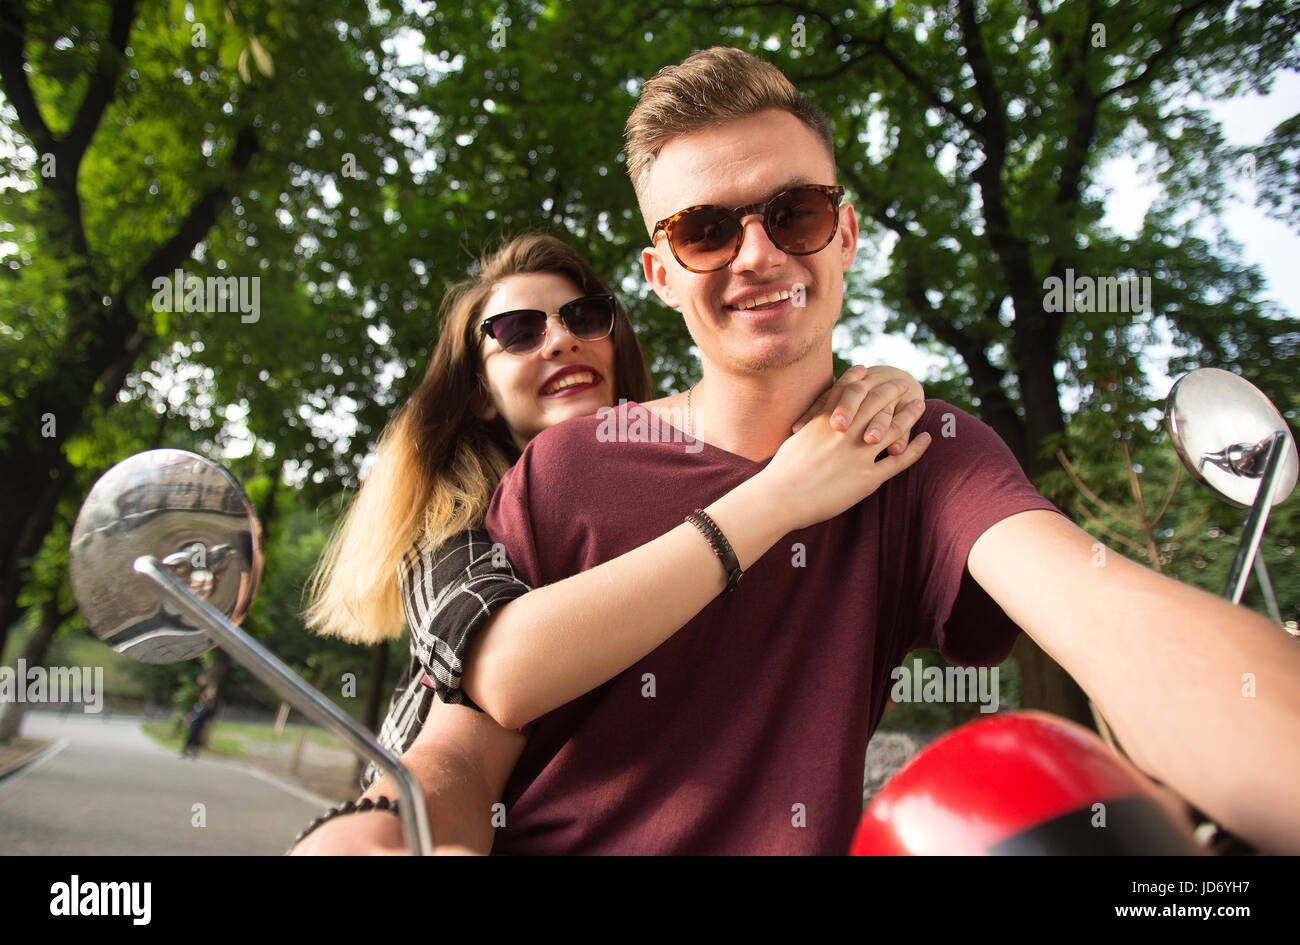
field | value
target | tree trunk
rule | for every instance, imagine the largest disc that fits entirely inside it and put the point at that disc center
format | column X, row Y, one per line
column 31, row 522
column 11, row 713
column 1041, row 399
column 1044, row 685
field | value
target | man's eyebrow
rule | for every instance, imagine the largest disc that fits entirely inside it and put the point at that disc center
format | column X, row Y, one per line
column 797, row 181
column 800, row 181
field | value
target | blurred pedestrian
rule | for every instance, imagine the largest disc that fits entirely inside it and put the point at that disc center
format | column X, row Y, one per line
column 197, row 718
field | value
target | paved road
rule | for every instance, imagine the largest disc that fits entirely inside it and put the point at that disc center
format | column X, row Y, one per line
column 109, row 789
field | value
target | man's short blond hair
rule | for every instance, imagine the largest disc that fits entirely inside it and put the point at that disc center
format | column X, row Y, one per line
column 708, row 89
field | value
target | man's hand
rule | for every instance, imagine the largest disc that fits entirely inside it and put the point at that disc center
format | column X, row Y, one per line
column 1203, row 694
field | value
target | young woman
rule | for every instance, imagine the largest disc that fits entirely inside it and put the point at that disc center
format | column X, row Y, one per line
column 504, row 369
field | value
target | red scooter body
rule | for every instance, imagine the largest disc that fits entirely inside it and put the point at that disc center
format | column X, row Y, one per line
column 1019, row 783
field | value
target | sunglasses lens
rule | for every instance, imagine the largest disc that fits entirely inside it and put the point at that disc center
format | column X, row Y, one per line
column 520, row 332
column 802, row 221
column 705, row 239
column 590, row 318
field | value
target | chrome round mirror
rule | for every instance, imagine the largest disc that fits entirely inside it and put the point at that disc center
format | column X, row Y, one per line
column 1222, row 427
column 190, row 514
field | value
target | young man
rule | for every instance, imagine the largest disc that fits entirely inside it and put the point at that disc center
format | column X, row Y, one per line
column 745, row 732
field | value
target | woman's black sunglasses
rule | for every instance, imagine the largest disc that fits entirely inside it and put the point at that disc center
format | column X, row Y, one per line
column 522, row 331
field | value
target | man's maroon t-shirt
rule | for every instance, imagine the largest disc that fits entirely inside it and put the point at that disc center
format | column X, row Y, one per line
column 746, row 731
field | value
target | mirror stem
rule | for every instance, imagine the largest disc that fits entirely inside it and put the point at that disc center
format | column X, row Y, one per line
column 1255, row 522
column 289, row 685
column 1266, row 585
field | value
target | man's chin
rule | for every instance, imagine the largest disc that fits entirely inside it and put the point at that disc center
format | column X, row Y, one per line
column 772, row 352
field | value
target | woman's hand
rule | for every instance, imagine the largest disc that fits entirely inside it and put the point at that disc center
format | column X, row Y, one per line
column 820, row 471
column 846, row 396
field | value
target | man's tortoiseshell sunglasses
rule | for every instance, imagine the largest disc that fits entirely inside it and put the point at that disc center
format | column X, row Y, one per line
column 799, row 221
column 522, row 331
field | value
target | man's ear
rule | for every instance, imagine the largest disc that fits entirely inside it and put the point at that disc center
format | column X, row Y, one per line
column 656, row 273
column 848, row 235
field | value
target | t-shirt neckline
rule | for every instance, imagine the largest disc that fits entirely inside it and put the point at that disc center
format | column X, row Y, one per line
column 691, row 438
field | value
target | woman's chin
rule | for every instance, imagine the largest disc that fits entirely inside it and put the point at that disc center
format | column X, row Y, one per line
column 581, row 404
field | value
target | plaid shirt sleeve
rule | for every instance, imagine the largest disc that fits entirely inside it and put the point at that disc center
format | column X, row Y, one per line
column 447, row 594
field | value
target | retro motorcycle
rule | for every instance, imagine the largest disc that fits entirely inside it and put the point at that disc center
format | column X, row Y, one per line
column 167, row 553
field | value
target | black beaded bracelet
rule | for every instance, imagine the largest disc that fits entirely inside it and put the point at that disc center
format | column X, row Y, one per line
column 351, row 807
column 721, row 547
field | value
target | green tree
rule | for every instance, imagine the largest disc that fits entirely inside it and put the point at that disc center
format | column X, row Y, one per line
column 142, row 140
column 357, row 157
column 970, row 136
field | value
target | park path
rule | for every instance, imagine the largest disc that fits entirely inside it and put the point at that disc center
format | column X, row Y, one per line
column 104, row 787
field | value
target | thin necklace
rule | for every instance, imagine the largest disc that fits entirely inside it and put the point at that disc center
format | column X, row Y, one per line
column 689, row 425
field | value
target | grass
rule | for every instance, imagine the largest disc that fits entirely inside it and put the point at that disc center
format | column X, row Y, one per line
column 219, row 742
column 123, row 681
column 257, row 746
column 232, row 738
column 266, row 733
column 79, row 648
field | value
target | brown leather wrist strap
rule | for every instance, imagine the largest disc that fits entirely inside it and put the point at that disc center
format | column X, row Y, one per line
column 721, row 547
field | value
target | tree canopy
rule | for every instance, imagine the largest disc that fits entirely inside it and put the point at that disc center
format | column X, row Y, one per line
column 355, row 158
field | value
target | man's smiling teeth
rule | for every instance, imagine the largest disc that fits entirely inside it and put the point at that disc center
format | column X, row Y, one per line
column 762, row 300
column 569, row 380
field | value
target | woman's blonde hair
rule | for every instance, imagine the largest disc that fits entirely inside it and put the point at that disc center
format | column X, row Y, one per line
column 438, row 462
